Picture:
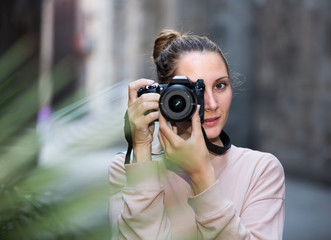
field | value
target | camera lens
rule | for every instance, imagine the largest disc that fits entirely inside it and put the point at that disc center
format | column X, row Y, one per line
column 177, row 103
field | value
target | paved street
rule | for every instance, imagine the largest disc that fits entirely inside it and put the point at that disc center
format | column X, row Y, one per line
column 308, row 210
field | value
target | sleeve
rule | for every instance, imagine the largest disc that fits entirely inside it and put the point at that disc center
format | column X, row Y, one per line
column 264, row 209
column 137, row 211
column 262, row 216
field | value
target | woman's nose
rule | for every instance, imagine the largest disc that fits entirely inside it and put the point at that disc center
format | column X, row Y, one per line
column 210, row 101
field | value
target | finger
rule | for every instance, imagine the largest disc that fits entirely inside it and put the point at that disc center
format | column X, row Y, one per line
column 141, row 122
column 146, row 107
column 143, row 105
column 134, row 86
column 164, row 127
column 149, row 97
column 139, row 109
column 167, row 133
column 152, row 116
column 159, row 135
column 196, row 124
column 174, row 127
column 166, row 145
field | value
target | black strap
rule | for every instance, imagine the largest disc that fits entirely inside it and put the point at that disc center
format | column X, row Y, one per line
column 217, row 149
column 128, row 137
column 211, row 147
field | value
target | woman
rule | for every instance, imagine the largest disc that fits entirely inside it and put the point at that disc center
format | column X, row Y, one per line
column 190, row 192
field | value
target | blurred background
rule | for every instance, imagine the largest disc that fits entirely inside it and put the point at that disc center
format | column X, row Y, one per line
column 64, row 70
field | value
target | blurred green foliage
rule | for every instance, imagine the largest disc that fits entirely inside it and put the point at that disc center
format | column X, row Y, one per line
column 36, row 202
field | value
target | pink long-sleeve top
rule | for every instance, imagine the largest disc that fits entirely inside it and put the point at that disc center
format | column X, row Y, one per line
column 154, row 200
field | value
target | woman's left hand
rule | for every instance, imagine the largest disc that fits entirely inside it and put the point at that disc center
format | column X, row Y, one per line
column 191, row 154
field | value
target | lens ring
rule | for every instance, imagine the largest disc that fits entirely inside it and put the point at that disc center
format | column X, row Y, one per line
column 177, row 103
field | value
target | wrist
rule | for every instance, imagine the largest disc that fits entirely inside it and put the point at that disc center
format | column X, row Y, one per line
column 203, row 179
column 142, row 153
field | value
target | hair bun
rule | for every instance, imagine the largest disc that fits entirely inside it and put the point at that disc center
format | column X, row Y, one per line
column 162, row 41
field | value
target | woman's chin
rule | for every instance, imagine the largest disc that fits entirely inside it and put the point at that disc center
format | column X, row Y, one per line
column 212, row 134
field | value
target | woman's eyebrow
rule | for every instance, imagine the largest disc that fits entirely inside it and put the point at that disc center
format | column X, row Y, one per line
column 221, row 78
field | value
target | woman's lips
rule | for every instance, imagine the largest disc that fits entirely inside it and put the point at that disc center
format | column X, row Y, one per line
column 210, row 121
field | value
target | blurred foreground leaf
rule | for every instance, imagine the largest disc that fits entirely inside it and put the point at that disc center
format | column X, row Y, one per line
column 37, row 201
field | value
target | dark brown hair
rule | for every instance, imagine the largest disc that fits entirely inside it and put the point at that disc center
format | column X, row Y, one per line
column 169, row 45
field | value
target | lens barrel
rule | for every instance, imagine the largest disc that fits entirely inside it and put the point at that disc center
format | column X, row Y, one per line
column 177, row 103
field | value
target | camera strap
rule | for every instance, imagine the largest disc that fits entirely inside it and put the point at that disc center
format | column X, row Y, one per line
column 128, row 137
column 217, row 149
column 211, row 147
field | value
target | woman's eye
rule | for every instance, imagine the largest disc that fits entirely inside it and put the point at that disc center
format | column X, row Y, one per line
column 220, row 86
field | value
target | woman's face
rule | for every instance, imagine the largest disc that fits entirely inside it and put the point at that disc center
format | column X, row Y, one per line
column 210, row 67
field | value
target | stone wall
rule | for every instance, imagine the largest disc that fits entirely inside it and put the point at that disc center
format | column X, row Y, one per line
column 292, row 102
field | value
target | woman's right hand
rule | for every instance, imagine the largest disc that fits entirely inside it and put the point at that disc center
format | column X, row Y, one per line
column 142, row 119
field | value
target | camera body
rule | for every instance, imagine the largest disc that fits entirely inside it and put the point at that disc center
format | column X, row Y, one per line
column 179, row 98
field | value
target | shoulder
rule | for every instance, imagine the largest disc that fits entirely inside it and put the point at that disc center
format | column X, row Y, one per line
column 117, row 172
column 258, row 159
column 266, row 170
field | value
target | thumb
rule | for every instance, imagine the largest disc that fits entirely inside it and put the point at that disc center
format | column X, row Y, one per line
column 196, row 123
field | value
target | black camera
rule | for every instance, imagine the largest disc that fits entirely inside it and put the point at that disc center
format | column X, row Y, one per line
column 179, row 98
